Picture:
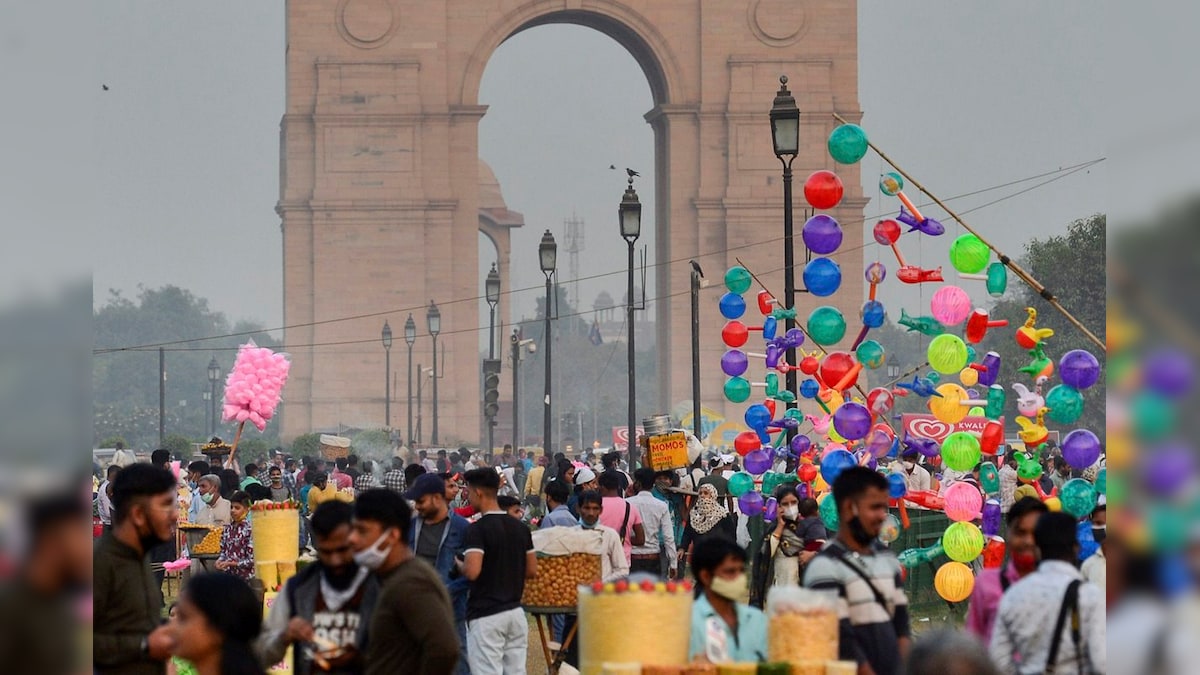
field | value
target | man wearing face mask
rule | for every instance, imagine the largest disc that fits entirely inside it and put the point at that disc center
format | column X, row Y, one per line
column 724, row 628
column 412, row 627
column 127, row 635
column 916, row 477
column 873, row 627
column 990, row 584
column 326, row 607
column 214, row 509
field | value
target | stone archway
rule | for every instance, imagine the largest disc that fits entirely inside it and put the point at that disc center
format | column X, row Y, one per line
column 380, row 200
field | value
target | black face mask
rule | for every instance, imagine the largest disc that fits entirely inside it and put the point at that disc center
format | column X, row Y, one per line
column 341, row 579
column 149, row 539
column 858, row 532
column 1099, row 533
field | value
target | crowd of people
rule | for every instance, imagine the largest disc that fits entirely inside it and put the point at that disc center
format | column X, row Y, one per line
column 419, row 566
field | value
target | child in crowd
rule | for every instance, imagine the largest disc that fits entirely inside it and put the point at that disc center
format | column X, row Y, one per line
column 237, row 546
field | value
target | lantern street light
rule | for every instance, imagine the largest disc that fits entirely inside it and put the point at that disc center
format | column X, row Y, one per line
column 386, row 336
column 491, row 289
column 785, row 136
column 214, row 375
column 433, row 317
column 630, row 215
column 410, row 338
column 548, row 259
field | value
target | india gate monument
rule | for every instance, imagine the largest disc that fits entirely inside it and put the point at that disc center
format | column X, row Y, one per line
column 383, row 197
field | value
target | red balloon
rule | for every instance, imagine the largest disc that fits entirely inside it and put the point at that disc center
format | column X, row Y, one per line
column 809, row 365
column 746, row 443
column 807, row 473
column 885, row 429
column 770, row 403
column 735, row 334
column 823, row 189
column 880, row 402
column 835, row 366
column 887, row 232
column 993, row 553
column 765, row 303
column 991, row 438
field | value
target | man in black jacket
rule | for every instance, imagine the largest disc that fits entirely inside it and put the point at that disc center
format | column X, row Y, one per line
column 128, row 637
column 324, row 609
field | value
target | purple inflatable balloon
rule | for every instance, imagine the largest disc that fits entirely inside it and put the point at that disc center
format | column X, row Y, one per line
column 991, row 518
column 751, row 503
column 793, row 338
column 852, row 421
column 1168, row 469
column 1079, row 369
column 734, row 362
column 1169, row 372
column 879, row 444
column 822, row 234
column 801, row 444
column 771, row 509
column 757, row 462
column 1081, row 448
column 802, row 491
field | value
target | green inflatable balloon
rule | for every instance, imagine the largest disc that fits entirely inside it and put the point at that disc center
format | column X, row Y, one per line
column 826, row 325
column 969, row 254
column 989, row 478
column 828, row 511
column 737, row 280
column 1065, row 403
column 961, row 451
column 870, row 354
column 947, row 353
column 740, row 483
column 737, row 389
column 1153, row 415
column 963, row 542
column 1078, row 497
column 1102, row 481
column 847, row 144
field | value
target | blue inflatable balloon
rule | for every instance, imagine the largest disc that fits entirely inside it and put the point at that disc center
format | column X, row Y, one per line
column 732, row 306
column 873, row 314
column 757, row 416
column 769, row 327
column 834, row 463
column 897, row 486
column 810, row 388
column 822, row 277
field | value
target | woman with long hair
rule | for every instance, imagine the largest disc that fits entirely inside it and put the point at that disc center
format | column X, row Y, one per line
column 216, row 621
column 791, row 542
column 708, row 518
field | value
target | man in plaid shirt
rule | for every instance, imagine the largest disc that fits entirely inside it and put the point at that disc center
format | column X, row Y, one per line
column 394, row 478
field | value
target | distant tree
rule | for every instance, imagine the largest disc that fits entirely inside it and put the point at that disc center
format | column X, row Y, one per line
column 306, row 445
column 180, row 446
column 111, row 442
column 1072, row 267
column 125, row 379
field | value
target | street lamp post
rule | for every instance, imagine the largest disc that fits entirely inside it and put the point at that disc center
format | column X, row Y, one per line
column 491, row 291
column 433, row 317
column 214, row 374
column 547, row 258
column 422, row 373
column 785, row 136
column 630, row 215
column 387, row 375
column 410, row 338
column 697, row 275
column 207, row 396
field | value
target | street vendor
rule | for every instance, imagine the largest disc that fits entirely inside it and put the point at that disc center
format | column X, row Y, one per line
column 724, row 628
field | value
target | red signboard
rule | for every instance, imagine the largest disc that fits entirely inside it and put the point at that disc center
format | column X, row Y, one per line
column 928, row 426
column 620, row 436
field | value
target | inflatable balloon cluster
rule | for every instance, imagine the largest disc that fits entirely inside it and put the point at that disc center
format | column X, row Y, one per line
column 254, row 385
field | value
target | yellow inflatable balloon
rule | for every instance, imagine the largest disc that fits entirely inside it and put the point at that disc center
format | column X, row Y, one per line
column 962, row 542
column 968, row 376
column 1053, row 504
column 949, row 407
column 954, row 581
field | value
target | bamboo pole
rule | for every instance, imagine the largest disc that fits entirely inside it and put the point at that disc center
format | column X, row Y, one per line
column 1008, row 262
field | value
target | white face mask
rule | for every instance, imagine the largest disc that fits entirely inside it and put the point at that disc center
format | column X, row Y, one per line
column 790, row 512
column 372, row 558
column 734, row 589
column 909, row 466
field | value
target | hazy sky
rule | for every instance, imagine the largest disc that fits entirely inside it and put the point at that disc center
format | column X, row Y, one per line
column 172, row 175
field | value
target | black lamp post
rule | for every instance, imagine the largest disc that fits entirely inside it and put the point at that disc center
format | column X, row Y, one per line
column 433, row 317
column 785, row 135
column 491, row 292
column 410, row 338
column 547, row 258
column 697, row 275
column 630, row 215
column 214, row 375
column 387, row 375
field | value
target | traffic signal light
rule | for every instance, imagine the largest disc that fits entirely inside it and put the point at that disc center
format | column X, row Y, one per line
column 491, row 387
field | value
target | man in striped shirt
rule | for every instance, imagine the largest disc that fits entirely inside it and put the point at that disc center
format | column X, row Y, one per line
column 873, row 627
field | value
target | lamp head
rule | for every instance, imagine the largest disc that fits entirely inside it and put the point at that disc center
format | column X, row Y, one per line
column 433, row 316
column 785, row 122
column 548, row 254
column 387, row 335
column 410, row 330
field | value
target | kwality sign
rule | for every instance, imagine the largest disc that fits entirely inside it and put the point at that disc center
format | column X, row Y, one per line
column 928, row 426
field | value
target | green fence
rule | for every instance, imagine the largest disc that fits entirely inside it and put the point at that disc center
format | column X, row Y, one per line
column 925, row 528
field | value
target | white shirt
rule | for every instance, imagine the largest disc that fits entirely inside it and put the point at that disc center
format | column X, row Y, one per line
column 1008, row 488
column 612, row 560
column 104, row 504
column 1095, row 570
column 918, row 479
column 1022, row 635
column 656, row 521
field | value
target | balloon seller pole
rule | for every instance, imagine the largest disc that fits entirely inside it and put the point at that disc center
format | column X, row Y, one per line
column 789, row 277
column 1021, row 273
column 696, row 275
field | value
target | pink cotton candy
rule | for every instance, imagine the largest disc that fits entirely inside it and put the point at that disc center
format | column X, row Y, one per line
column 254, row 385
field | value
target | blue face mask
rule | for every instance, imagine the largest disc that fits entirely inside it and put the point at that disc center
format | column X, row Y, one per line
column 584, row 524
column 192, row 484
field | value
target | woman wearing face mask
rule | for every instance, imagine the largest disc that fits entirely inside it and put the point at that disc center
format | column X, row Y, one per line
column 724, row 628
column 214, row 624
column 237, row 546
column 786, row 550
column 708, row 519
